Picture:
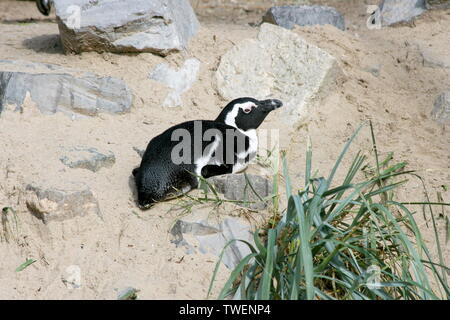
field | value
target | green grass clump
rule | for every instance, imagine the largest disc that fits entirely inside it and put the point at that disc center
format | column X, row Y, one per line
column 347, row 241
column 25, row 265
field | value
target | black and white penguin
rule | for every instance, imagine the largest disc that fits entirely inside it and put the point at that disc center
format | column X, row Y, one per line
column 174, row 159
column 44, row 6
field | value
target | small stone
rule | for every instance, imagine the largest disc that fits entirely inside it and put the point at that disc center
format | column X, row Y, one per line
column 441, row 110
column 88, row 158
column 128, row 294
column 172, row 288
column 433, row 58
column 8, row 225
column 195, row 228
column 212, row 238
column 236, row 187
column 56, row 204
column 374, row 70
column 72, row 277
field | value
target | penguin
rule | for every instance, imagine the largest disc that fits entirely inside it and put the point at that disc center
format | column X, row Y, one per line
column 44, row 6
column 174, row 160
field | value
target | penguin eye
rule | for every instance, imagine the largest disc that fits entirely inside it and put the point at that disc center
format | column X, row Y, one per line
column 248, row 109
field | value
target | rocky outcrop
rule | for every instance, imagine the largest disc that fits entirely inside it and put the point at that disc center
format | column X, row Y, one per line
column 56, row 89
column 157, row 26
column 281, row 64
column 289, row 16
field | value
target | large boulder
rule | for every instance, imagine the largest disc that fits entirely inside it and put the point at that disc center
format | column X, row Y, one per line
column 281, row 64
column 289, row 16
column 53, row 88
column 393, row 11
column 157, row 26
column 441, row 109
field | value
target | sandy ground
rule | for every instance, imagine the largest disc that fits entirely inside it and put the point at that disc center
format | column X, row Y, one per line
column 131, row 248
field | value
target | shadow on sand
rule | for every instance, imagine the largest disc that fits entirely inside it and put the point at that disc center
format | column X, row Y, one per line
column 48, row 43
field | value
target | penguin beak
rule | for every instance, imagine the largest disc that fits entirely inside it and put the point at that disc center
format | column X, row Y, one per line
column 146, row 206
column 143, row 201
column 270, row 105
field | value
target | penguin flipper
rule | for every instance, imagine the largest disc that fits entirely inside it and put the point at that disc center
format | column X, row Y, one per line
column 211, row 170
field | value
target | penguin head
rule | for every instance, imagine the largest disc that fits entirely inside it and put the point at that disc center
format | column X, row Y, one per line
column 247, row 113
column 144, row 188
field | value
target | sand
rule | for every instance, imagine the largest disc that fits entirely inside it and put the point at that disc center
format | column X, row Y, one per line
column 132, row 248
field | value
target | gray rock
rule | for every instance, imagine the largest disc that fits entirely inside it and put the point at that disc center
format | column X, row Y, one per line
column 281, row 64
column 433, row 58
column 236, row 187
column 288, row 16
column 57, row 89
column 56, row 204
column 87, row 158
column 441, row 109
column 9, row 231
column 178, row 80
column 72, row 277
column 374, row 69
column 128, row 293
column 439, row 4
column 212, row 238
column 157, row 26
column 393, row 11
column 195, row 228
